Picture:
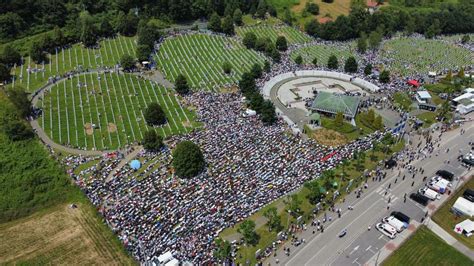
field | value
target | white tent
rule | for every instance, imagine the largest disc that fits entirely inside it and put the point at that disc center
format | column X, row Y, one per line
column 173, row 262
column 164, row 258
column 465, row 227
column 432, row 74
column 463, row 206
column 249, row 113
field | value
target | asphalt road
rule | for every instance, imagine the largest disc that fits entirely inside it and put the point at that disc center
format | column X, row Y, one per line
column 360, row 245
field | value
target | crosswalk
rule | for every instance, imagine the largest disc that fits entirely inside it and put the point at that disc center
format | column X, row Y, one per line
column 386, row 194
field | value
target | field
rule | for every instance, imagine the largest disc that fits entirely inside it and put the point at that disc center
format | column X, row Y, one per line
column 428, row 118
column 333, row 10
column 403, row 101
column 200, row 58
column 61, row 235
column 409, row 56
column 32, row 76
column 105, row 111
column 426, row 248
column 323, row 52
column 292, row 35
column 446, row 219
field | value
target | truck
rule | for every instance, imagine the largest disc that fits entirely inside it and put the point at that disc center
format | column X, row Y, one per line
column 394, row 222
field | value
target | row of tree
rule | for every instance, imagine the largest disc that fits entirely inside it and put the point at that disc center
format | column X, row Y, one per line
column 265, row 45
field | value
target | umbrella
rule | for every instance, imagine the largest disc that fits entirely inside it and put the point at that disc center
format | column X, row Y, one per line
column 135, row 164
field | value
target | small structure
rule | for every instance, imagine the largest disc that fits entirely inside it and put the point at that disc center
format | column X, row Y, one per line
column 463, row 206
column 330, row 104
column 423, row 97
column 465, row 227
column 432, row 74
column 465, row 103
column 165, row 258
column 135, row 164
column 414, row 83
column 249, row 113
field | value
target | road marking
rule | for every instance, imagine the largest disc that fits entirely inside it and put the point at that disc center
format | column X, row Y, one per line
column 354, row 250
column 380, row 236
column 355, row 261
column 368, row 248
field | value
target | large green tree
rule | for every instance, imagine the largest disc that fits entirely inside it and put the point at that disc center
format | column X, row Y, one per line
column 223, row 249
column 188, row 160
column 154, row 114
column 152, row 141
column 247, row 229
column 274, row 220
column 228, row 25
column 351, row 65
column 19, row 97
column 10, row 56
column 281, row 43
column 332, row 62
column 384, row 77
column 127, row 62
column 4, row 73
column 249, row 40
column 214, row 23
column 181, row 84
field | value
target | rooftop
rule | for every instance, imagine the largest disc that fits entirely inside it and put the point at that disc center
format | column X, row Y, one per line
column 334, row 103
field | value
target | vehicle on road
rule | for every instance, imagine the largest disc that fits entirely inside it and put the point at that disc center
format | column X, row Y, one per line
column 467, row 160
column 421, row 199
column 386, row 230
column 445, row 174
column 394, row 222
column 402, row 217
column 441, row 181
column 429, row 193
column 343, row 233
column 438, row 187
column 469, row 195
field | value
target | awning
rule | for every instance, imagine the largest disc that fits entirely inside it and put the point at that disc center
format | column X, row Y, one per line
column 413, row 82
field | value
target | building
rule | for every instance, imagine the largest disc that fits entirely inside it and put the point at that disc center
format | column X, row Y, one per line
column 330, row 104
column 465, row 103
column 424, row 101
column 463, row 206
column 465, row 227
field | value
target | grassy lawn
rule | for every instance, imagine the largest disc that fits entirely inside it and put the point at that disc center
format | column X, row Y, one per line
column 446, row 219
column 266, row 237
column 426, row 248
column 348, row 130
column 403, row 101
column 428, row 118
column 114, row 103
column 264, row 30
column 323, row 52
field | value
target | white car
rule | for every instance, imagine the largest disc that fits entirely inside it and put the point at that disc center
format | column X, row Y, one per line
column 428, row 192
column 442, row 181
column 386, row 229
column 394, row 222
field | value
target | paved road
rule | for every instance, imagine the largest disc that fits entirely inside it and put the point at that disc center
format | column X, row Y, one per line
column 360, row 245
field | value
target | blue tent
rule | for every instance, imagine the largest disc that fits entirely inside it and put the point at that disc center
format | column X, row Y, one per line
column 135, row 164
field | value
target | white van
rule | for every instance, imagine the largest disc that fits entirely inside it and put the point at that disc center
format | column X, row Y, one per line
column 386, row 230
column 395, row 223
column 429, row 193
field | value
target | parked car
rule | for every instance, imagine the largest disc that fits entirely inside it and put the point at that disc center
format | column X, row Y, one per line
column 394, row 222
column 445, row 174
column 469, row 195
column 429, row 193
column 401, row 216
column 421, row 199
column 442, row 181
column 386, row 229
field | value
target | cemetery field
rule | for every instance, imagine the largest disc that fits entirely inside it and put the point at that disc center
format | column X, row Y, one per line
column 200, row 58
column 292, row 35
column 104, row 111
column 32, row 76
column 323, row 52
column 408, row 56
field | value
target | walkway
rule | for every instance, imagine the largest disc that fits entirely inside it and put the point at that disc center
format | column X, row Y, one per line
column 438, row 230
column 124, row 161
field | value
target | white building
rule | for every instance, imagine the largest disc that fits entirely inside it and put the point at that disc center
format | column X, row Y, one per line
column 423, row 97
column 465, row 103
column 465, row 227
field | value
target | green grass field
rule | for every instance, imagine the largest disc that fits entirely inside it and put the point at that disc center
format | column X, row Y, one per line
column 200, row 58
column 426, row 248
column 32, row 76
column 446, row 219
column 323, row 52
column 291, row 34
column 428, row 118
column 403, row 100
column 409, row 56
column 114, row 103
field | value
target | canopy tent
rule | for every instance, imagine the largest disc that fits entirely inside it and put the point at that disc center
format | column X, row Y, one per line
column 173, row 262
column 135, row 164
column 165, row 257
column 464, row 207
column 414, row 83
column 465, row 227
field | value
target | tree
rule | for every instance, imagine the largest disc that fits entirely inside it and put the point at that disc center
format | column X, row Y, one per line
column 4, row 73
column 339, row 120
column 351, row 65
column 299, row 60
column 294, row 205
column 88, row 35
column 332, row 62
column 188, row 160
column 19, row 97
column 328, row 178
column 247, row 83
column 375, row 38
column 281, row 43
column 384, row 76
column 314, row 189
column 362, row 43
column 433, row 30
column 106, row 29
column 142, row 52
column 127, row 62
column 315, row 61
column 465, row 39
column 10, row 56
column 181, row 84
column 261, row 9
column 247, row 229
column 152, row 141
column 461, row 74
column 127, row 24
column 266, row 66
column 267, row 112
column 223, row 249
column 227, row 67
column 312, row 8
column 312, row 27
column 237, row 16
column 288, row 17
column 250, row 39
column 37, row 54
column 256, row 71
column 274, row 220
column 154, row 114
column 214, row 23
column 345, row 164
column 378, row 123
column 368, row 69
column 449, row 76
column 16, row 129
column 370, row 117
column 228, row 26
column 262, row 44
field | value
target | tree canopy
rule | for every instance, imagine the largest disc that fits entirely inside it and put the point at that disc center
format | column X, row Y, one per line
column 154, row 114
column 127, row 62
column 188, row 160
column 181, row 84
column 152, row 141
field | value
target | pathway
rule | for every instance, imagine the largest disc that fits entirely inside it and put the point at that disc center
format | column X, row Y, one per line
column 124, row 161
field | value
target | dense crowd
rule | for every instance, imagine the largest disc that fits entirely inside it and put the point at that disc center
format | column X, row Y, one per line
column 153, row 211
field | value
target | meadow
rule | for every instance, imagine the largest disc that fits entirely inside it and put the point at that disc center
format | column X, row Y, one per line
column 323, row 52
column 291, row 34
